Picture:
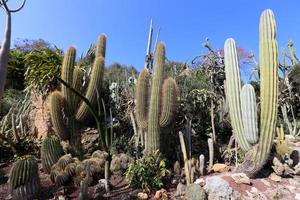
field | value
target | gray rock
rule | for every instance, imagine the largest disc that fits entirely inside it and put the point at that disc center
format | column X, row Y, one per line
column 195, row 192
column 217, row 188
column 180, row 190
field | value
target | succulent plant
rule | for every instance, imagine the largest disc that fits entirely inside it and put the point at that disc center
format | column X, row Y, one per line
column 154, row 110
column 51, row 151
column 66, row 108
column 256, row 155
column 120, row 163
column 24, row 179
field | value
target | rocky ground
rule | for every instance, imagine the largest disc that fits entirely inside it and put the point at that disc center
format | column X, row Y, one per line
column 226, row 185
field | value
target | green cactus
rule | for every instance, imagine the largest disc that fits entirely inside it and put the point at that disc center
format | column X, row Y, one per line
column 155, row 111
column 51, row 151
column 66, row 108
column 257, row 155
column 249, row 113
column 233, row 90
column 63, row 170
column 120, row 163
column 24, row 179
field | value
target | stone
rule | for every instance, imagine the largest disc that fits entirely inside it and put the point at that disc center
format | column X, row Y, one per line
column 195, row 192
column 161, row 194
column 275, row 177
column 267, row 183
column 219, row 167
column 217, row 188
column 256, row 194
column 241, row 178
column 180, row 190
column 200, row 181
column 177, row 168
column 142, row 196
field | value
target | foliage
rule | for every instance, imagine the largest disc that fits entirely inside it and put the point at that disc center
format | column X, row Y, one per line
column 122, row 144
column 14, row 130
column 147, row 173
column 27, row 45
column 16, row 69
column 43, row 65
column 10, row 98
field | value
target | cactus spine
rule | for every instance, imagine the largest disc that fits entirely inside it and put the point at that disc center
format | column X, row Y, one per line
column 24, row 179
column 257, row 156
column 249, row 113
column 51, row 151
column 65, row 114
column 157, row 112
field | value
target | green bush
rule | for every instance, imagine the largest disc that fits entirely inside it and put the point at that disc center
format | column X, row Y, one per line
column 10, row 98
column 147, row 173
column 43, row 65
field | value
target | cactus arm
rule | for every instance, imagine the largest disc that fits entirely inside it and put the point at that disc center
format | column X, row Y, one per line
column 233, row 87
column 56, row 101
column 142, row 95
column 94, row 84
column 77, row 83
column 169, row 102
column 249, row 113
column 101, row 46
column 67, row 75
column 153, row 134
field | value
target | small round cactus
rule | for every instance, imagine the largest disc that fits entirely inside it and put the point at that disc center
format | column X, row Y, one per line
column 51, row 151
column 24, row 179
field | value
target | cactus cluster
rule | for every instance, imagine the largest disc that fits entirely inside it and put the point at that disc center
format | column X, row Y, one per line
column 156, row 108
column 242, row 105
column 66, row 109
column 24, row 179
column 51, row 151
column 69, row 168
column 120, row 163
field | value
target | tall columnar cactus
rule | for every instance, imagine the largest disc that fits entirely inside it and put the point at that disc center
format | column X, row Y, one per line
column 257, row 155
column 155, row 110
column 66, row 108
column 51, row 151
column 24, row 179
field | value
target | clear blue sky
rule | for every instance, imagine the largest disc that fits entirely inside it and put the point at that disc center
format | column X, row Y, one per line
column 184, row 24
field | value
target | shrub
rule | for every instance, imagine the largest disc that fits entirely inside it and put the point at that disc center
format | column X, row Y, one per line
column 147, row 173
column 43, row 65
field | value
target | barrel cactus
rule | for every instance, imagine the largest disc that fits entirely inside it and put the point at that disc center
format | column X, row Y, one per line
column 63, row 170
column 120, row 163
column 51, row 151
column 24, row 179
column 156, row 108
column 256, row 155
column 66, row 108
